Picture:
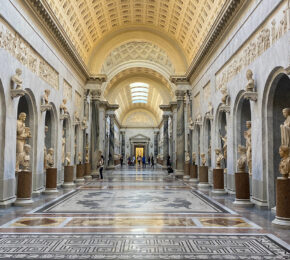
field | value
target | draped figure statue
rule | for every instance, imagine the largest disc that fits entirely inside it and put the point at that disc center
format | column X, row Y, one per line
column 285, row 128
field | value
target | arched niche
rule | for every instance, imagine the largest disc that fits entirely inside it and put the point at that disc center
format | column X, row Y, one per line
column 207, row 141
column 221, row 134
column 50, row 121
column 27, row 105
column 276, row 97
column 2, row 134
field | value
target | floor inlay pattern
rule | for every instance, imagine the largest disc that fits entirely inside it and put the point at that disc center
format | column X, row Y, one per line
column 113, row 246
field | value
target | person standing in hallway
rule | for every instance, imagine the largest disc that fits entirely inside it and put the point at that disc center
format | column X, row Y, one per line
column 121, row 161
column 152, row 162
column 139, row 160
column 101, row 165
column 144, row 161
column 149, row 160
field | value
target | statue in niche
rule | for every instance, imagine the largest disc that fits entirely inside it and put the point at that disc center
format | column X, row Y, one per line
column 285, row 128
column 50, row 158
column 224, row 92
column 203, row 159
column 23, row 133
column 242, row 161
column 251, row 82
column 63, row 147
column 46, row 97
column 45, row 158
column 225, row 143
column 284, row 166
column 219, row 158
column 187, row 157
column 193, row 158
column 17, row 80
column 63, row 107
column 248, row 137
column 67, row 159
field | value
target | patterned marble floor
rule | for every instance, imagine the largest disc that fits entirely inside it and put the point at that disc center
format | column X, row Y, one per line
column 137, row 214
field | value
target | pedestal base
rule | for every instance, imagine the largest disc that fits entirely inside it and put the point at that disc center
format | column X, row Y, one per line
column 281, row 222
column 203, row 177
column 68, row 185
column 110, row 167
column 179, row 174
column 186, row 178
column 23, row 202
column 193, row 180
column 193, row 171
column 242, row 188
column 243, row 203
column 80, row 181
column 203, row 186
column 88, row 178
column 218, row 192
column 50, row 191
column 80, row 173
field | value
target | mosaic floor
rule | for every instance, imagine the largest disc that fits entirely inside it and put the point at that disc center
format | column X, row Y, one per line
column 135, row 214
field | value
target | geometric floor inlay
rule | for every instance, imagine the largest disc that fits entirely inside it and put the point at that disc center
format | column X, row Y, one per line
column 114, row 246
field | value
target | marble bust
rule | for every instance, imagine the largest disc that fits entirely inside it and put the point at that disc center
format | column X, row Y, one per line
column 25, row 163
column 17, row 80
column 285, row 128
column 203, row 159
column 46, row 96
column 224, row 92
column 67, row 159
column 251, row 82
column 187, row 157
column 193, row 158
column 242, row 161
column 63, row 106
column 284, row 166
column 219, row 158
column 50, row 158
column 79, row 158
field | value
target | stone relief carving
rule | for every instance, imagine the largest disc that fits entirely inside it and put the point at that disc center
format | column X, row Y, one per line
column 248, row 137
column 242, row 161
column 137, row 50
column 23, row 133
column 78, row 101
column 67, row 90
column 50, row 158
column 219, row 158
column 25, row 54
column 258, row 43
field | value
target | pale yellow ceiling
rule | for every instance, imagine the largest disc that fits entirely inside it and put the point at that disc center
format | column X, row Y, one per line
column 118, row 92
column 89, row 22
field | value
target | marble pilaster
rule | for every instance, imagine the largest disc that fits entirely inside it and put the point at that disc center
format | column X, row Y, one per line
column 123, row 143
column 165, row 139
column 111, row 142
column 156, row 133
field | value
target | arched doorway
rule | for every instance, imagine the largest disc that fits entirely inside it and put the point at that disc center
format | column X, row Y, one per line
column 276, row 98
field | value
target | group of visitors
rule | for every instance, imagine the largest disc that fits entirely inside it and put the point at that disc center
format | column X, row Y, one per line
column 141, row 161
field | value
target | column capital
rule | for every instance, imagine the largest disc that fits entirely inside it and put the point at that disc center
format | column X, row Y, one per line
column 179, row 94
column 179, row 80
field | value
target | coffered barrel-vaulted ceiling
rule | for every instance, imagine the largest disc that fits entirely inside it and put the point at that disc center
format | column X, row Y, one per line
column 96, row 27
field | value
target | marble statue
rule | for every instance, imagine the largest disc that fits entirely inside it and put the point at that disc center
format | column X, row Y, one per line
column 87, row 157
column 63, row 107
column 251, row 82
column 63, row 147
column 187, row 157
column 45, row 158
column 76, row 116
column 46, row 96
column 193, row 158
column 284, row 166
column 203, row 159
column 209, row 109
column 248, row 137
column 198, row 119
column 224, row 92
column 25, row 162
column 285, row 128
column 84, row 122
column 17, row 80
column 225, row 144
column 219, row 158
column 242, row 161
column 190, row 124
column 67, row 159
column 23, row 133
column 50, row 158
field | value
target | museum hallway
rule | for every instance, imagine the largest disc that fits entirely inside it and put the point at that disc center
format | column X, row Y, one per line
column 139, row 213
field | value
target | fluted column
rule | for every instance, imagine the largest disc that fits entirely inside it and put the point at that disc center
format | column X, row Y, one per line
column 180, row 144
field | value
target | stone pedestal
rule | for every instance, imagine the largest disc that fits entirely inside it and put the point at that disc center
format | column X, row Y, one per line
column 51, row 181
column 282, row 203
column 218, row 182
column 186, row 171
column 203, row 177
column 24, row 185
column 87, row 173
column 242, row 190
column 68, row 177
column 80, row 174
column 193, row 174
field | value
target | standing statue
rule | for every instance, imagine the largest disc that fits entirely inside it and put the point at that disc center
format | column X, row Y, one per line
column 284, row 166
column 251, row 82
column 285, row 128
column 23, row 133
column 225, row 143
column 242, row 161
column 17, row 80
column 25, row 162
column 67, row 159
column 193, row 158
column 248, row 137
column 219, row 158
column 63, row 147
column 203, row 159
column 50, row 158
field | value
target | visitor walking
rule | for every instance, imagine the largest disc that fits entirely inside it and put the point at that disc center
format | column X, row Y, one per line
column 139, row 160
column 149, row 160
column 101, row 165
column 121, row 161
column 152, row 162
column 144, row 161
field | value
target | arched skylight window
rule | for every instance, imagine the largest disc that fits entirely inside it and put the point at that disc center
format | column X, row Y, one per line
column 139, row 92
